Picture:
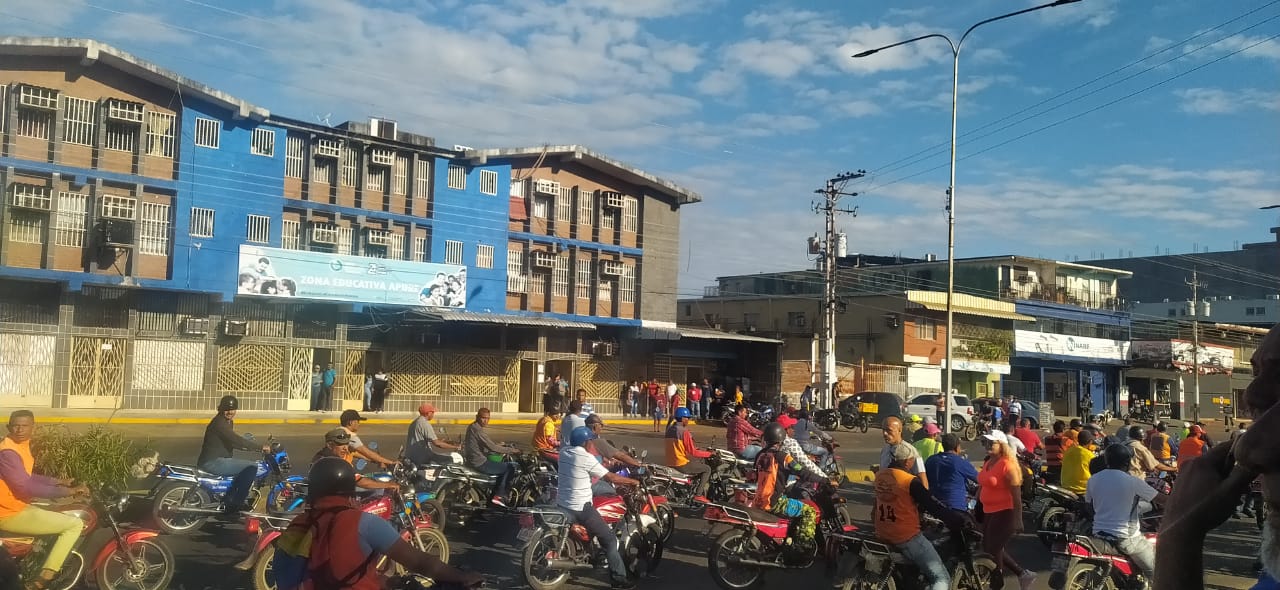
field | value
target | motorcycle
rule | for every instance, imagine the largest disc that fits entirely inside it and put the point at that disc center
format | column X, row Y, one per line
column 828, row 419
column 184, row 497
column 759, row 541
column 1058, row 514
column 402, row 510
column 884, row 568
column 121, row 558
column 760, row 414
column 555, row 546
column 727, row 477
column 464, row 493
column 1082, row 562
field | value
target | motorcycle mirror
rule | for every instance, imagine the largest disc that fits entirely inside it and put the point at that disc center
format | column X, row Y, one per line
column 373, row 445
column 644, row 453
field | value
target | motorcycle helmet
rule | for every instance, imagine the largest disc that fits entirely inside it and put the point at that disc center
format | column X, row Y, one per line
column 1118, row 456
column 1136, row 433
column 331, row 476
column 580, row 436
column 682, row 413
column 774, row 433
column 228, row 403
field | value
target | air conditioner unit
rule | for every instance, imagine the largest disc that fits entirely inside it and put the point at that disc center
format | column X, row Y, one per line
column 235, row 327
column 603, row 349
column 383, row 128
column 124, row 111
column 381, row 157
column 115, row 232
column 546, row 187
column 30, row 196
column 542, row 259
column 328, row 148
column 195, row 326
column 378, row 237
column 612, row 199
column 324, row 234
column 611, row 268
column 37, row 97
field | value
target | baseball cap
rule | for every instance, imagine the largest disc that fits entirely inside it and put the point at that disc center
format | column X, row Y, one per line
column 786, row 421
column 425, row 409
column 1196, row 429
column 349, row 415
column 902, row 451
column 337, row 435
column 996, row 436
column 931, row 429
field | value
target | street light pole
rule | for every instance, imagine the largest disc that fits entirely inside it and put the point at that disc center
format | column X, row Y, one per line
column 951, row 187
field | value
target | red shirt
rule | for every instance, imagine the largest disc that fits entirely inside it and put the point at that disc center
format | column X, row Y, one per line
column 695, row 394
column 994, row 490
column 1028, row 438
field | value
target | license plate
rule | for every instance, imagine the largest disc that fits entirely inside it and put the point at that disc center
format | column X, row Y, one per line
column 869, row 408
column 1060, row 563
column 525, row 534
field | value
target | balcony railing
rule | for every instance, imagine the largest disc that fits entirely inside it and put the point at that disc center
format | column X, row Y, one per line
column 1063, row 295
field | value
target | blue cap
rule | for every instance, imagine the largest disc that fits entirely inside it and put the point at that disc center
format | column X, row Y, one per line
column 682, row 413
column 580, row 436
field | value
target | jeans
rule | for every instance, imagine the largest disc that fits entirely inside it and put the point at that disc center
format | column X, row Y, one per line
column 243, row 470
column 603, row 488
column 695, row 408
column 635, row 407
column 317, row 396
column 589, row 518
column 40, row 522
column 1140, row 552
column 750, row 452
column 326, row 395
column 921, row 552
column 702, row 473
column 505, row 470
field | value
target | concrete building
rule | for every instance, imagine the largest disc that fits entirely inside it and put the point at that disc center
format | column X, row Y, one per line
column 1162, row 369
column 1219, row 309
column 163, row 243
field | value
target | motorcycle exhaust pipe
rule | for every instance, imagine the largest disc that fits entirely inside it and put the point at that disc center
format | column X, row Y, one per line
column 248, row 562
column 755, row 563
column 194, row 510
column 568, row 564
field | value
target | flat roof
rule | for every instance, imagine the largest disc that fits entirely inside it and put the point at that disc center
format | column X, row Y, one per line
column 89, row 51
column 1008, row 257
column 596, row 161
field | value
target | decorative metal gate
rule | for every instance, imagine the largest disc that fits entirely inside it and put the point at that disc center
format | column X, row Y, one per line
column 26, row 369
column 255, row 373
column 97, row 372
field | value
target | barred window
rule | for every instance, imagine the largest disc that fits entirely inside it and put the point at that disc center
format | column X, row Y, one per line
column 560, row 276
column 295, row 149
column 34, row 123
column 69, row 223
column 78, row 118
column 627, row 284
column 208, row 133
column 154, row 237
column 121, row 136
column 607, row 217
column 290, row 234
column 457, row 177
column 422, row 180
column 350, row 159
column 26, row 227
column 517, row 279
column 400, row 176
column 259, row 229
column 375, row 179
column 346, row 240
column 201, row 222
column 119, row 207
column 564, row 207
column 160, row 132
column 263, row 143
column 489, row 182
column 452, row 252
column 484, row 256
column 420, row 248
column 323, row 169
column 586, row 207
column 631, row 215
column 604, row 296
column 583, row 286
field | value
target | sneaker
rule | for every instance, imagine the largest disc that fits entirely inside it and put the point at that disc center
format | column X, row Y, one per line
column 497, row 501
column 1026, row 580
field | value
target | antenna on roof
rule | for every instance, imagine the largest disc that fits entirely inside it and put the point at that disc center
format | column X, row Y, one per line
column 324, row 120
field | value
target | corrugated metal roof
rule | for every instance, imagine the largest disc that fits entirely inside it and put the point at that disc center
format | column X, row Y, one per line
column 718, row 335
column 450, row 315
column 967, row 304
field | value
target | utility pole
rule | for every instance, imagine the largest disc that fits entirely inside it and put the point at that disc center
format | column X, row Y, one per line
column 831, row 193
column 1195, row 341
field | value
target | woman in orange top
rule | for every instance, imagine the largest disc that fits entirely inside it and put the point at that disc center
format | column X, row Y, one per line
column 1193, row 446
column 1000, row 482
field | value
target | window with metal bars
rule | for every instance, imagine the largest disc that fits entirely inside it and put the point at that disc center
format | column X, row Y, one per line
column 119, row 207
column 259, row 229
column 290, row 234
column 375, row 179
column 422, row 180
column 517, row 279
column 631, row 215
column 201, row 222
column 263, row 143
column 586, row 207
column 608, row 217
column 420, row 249
column 154, row 237
column 564, row 207
column 489, row 182
column 34, row 123
column 78, row 117
column 26, row 227
column 452, row 252
column 400, row 176
column 295, row 150
column 560, row 276
column 604, row 296
column 160, row 133
column 457, row 177
column 323, row 170
column 121, row 136
column 350, row 161
column 208, row 133
column 583, row 283
column 484, row 256
column 69, row 222
column 627, row 284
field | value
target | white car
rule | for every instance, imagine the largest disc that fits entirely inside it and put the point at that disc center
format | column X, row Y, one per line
column 925, row 405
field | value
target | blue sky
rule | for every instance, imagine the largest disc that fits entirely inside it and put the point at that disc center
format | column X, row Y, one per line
column 754, row 104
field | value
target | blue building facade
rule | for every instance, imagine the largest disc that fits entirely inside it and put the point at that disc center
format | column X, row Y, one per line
column 1075, row 356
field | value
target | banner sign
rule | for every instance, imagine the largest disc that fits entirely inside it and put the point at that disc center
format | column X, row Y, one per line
column 1044, row 345
column 302, row 274
column 1177, row 354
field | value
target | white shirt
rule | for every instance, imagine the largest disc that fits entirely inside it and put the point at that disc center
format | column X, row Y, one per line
column 1015, row 408
column 1118, row 500
column 886, row 458
column 671, row 391
column 1016, row 443
column 355, row 439
column 577, row 468
column 567, row 425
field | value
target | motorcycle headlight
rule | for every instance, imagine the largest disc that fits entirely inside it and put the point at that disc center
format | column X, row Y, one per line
column 122, row 503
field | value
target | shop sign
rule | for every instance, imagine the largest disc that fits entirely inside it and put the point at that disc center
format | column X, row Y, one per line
column 1045, row 345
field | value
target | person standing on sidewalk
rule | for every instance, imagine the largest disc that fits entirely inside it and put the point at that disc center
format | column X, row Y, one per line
column 695, row 400
column 673, row 402
column 317, row 385
column 707, row 393
column 330, row 377
column 381, row 385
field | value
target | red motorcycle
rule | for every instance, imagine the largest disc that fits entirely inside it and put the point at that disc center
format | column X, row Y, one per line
column 759, row 541
column 415, row 527
column 121, row 559
column 1090, row 563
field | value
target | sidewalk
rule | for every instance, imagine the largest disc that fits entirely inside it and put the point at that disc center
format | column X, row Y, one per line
column 90, row 416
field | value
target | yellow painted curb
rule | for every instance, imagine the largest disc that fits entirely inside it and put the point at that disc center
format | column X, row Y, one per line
column 297, row 421
column 860, row 475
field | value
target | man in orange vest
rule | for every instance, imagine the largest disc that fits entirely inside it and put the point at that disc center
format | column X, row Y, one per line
column 681, row 452
column 18, row 485
column 335, row 546
column 896, row 513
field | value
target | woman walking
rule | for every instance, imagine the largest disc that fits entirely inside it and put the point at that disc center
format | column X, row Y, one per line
column 1000, row 493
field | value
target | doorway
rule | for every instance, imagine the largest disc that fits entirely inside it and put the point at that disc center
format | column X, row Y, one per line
column 531, row 386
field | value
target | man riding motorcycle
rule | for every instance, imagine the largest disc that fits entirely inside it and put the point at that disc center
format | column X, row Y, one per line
column 545, row 439
column 607, row 454
column 805, row 431
column 476, row 448
column 18, row 485
column 899, row 497
column 772, row 471
column 1143, row 461
column 681, row 452
column 573, row 494
column 421, row 443
column 793, row 447
column 337, row 443
column 334, row 545
column 739, row 432
column 220, row 440
column 1119, row 499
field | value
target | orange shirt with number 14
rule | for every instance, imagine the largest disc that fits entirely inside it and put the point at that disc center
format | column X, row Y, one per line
column 895, row 514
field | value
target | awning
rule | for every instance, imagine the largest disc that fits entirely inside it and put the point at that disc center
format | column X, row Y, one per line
column 517, row 208
column 449, row 315
column 702, row 334
column 965, row 304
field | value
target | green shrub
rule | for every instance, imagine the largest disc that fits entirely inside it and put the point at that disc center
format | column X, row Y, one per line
column 98, row 456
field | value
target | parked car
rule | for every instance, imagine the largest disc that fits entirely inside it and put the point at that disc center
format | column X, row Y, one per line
column 925, row 405
column 888, row 404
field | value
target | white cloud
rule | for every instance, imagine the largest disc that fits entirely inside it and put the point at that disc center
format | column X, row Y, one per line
column 1217, row 101
column 765, row 124
column 777, row 58
column 719, row 82
column 905, row 57
column 133, row 26
column 1094, row 14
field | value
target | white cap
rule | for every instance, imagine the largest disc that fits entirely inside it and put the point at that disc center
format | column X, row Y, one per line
column 996, row 436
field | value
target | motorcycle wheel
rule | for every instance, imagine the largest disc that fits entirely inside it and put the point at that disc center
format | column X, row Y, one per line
column 432, row 542
column 263, row 576
column 434, row 510
column 983, row 575
column 143, row 565
column 1050, row 520
column 533, row 563
column 643, row 551
column 178, row 494
column 666, row 516
column 849, row 422
column 843, row 516
column 735, row 543
column 458, row 500
column 858, row 580
column 970, row 432
column 829, row 422
column 864, row 424
column 1085, row 576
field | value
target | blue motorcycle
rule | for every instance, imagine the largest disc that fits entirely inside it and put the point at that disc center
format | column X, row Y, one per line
column 289, row 496
column 184, row 497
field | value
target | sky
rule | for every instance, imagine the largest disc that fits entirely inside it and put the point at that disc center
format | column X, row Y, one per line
column 1089, row 130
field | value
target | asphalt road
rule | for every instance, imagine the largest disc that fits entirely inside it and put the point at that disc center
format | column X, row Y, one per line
column 205, row 558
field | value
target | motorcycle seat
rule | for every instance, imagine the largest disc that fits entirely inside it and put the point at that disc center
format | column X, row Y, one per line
column 1061, row 491
column 758, row 515
column 1100, row 546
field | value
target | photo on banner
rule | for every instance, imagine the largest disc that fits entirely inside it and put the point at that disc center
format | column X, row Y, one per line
column 275, row 272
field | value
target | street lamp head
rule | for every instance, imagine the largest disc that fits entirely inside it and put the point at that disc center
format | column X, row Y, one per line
column 1061, row 2
column 867, row 52
column 1270, row 207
